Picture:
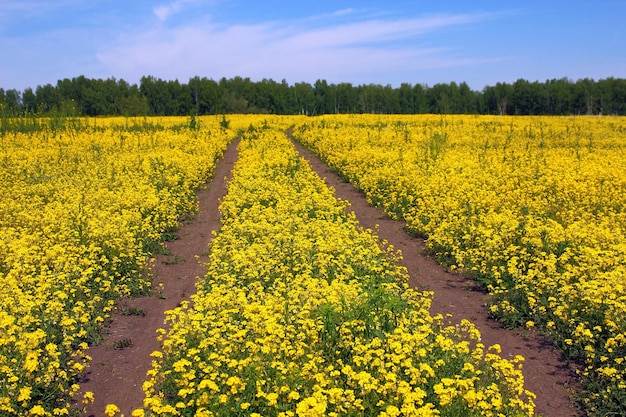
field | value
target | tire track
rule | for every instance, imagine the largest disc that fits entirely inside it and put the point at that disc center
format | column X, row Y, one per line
column 545, row 372
column 115, row 374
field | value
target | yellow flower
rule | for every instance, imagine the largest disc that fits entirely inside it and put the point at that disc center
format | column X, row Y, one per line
column 31, row 363
column 24, row 394
column 37, row 411
column 88, row 397
column 286, row 301
column 272, row 399
column 392, row 411
column 111, row 410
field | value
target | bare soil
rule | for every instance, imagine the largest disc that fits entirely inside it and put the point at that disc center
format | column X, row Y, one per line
column 116, row 373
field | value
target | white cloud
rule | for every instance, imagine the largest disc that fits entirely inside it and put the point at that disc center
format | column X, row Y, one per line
column 278, row 50
column 344, row 12
column 164, row 11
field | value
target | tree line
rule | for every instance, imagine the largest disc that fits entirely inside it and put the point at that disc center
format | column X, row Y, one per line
column 158, row 97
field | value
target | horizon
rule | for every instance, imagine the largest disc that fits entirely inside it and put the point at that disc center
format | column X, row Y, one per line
column 312, row 84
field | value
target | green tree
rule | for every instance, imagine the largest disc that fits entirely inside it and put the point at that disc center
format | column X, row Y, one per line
column 420, row 101
column 11, row 101
column 441, row 98
column 155, row 96
column 303, row 98
column 29, row 100
column 165, row 98
column 467, row 102
column 324, row 98
column 527, row 98
column 406, row 104
column 48, row 99
column 205, row 95
column 585, row 97
column 558, row 96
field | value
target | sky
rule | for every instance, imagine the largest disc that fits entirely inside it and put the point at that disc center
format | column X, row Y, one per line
column 386, row 42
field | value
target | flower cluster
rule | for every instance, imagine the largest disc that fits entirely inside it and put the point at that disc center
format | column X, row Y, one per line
column 303, row 313
column 533, row 207
column 82, row 209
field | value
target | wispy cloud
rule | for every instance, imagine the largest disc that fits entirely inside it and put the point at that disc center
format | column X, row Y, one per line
column 164, row 11
column 377, row 31
column 285, row 50
column 344, row 12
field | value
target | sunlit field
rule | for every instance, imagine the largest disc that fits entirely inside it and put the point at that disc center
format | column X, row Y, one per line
column 84, row 204
column 532, row 207
column 302, row 313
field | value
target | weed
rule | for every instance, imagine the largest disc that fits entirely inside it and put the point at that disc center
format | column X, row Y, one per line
column 122, row 343
column 132, row 311
column 173, row 260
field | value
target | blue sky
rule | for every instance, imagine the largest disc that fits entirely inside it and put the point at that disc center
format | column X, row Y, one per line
column 381, row 42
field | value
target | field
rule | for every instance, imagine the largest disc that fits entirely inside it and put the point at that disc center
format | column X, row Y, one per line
column 533, row 207
column 84, row 205
column 301, row 311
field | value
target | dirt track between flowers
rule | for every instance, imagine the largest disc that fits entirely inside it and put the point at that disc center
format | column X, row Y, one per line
column 545, row 373
column 116, row 375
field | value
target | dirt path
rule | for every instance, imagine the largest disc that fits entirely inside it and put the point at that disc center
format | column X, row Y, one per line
column 545, row 373
column 116, row 374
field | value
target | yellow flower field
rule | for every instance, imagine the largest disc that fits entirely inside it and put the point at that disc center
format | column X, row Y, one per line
column 533, row 207
column 302, row 313
column 84, row 204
